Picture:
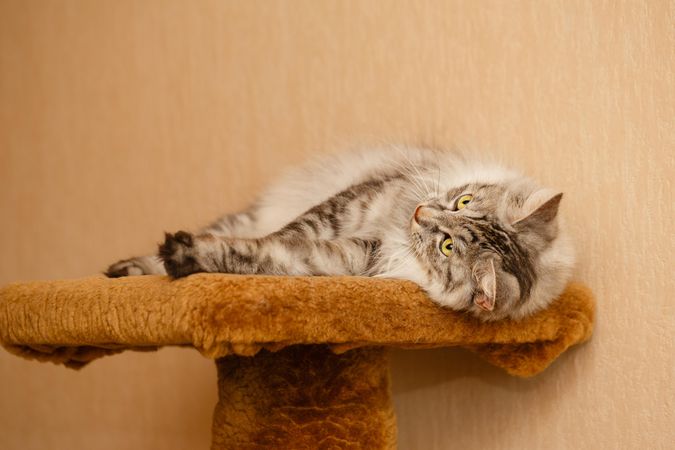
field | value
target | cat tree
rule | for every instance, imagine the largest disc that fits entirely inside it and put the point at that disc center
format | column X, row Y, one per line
column 302, row 361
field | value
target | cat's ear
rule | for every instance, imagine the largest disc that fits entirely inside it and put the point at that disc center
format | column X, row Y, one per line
column 486, row 284
column 539, row 211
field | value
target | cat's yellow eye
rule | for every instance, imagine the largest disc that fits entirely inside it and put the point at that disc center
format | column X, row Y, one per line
column 446, row 247
column 463, row 201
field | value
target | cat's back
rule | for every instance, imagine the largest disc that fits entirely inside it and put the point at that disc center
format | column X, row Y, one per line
column 321, row 178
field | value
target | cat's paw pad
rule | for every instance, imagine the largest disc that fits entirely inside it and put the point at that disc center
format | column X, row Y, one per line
column 124, row 268
column 179, row 254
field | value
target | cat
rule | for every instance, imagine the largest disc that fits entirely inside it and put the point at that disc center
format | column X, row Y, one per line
column 475, row 236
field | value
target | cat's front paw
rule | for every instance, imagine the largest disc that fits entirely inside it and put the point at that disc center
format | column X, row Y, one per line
column 179, row 254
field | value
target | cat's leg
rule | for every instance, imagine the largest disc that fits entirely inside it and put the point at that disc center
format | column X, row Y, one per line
column 138, row 265
column 239, row 224
column 184, row 253
column 242, row 224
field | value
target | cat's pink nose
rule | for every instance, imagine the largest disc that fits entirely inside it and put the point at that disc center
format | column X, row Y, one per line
column 422, row 211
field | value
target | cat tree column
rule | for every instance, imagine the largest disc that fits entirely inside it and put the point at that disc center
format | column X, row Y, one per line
column 305, row 397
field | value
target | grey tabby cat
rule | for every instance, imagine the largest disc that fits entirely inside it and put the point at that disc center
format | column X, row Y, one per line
column 475, row 236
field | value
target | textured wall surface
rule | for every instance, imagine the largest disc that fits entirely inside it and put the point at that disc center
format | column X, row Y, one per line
column 121, row 119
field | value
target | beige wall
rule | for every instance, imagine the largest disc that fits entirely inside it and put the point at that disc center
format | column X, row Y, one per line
column 121, row 119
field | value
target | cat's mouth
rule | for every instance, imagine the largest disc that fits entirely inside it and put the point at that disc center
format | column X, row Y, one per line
column 417, row 239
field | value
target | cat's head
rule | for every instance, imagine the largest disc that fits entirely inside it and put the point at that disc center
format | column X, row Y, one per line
column 495, row 249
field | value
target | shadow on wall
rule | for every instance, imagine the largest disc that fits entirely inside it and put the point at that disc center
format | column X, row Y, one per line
column 446, row 365
column 452, row 382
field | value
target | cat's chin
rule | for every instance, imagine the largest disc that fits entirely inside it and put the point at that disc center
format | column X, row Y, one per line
column 461, row 299
column 489, row 316
column 458, row 299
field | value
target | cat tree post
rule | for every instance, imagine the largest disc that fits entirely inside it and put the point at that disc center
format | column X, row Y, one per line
column 301, row 360
column 305, row 397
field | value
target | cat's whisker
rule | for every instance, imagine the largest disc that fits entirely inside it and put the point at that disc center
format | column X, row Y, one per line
column 421, row 188
column 418, row 187
column 407, row 172
column 401, row 261
column 438, row 175
column 400, row 254
column 393, row 252
column 414, row 166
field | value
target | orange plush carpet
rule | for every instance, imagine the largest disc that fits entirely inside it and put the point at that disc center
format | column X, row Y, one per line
column 319, row 377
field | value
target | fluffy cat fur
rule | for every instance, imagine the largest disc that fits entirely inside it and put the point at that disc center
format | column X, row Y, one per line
column 392, row 212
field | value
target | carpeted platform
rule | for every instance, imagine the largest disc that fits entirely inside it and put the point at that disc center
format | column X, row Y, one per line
column 301, row 360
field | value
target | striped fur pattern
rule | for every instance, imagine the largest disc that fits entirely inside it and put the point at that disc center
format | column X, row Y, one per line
column 388, row 212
